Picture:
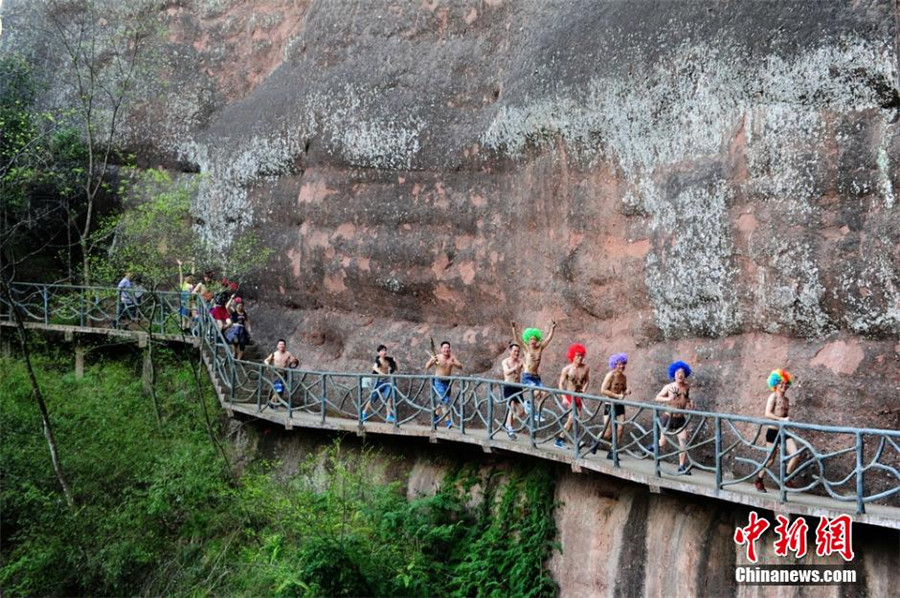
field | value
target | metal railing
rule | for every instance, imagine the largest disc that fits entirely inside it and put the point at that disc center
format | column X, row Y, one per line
column 859, row 466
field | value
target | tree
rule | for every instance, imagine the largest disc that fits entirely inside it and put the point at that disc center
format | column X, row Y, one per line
column 103, row 45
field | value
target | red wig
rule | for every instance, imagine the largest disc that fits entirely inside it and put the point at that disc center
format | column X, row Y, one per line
column 574, row 350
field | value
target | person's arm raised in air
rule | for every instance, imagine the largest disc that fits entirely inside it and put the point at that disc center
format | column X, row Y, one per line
column 550, row 334
column 515, row 332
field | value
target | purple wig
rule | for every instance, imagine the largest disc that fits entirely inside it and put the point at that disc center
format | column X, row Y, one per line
column 616, row 359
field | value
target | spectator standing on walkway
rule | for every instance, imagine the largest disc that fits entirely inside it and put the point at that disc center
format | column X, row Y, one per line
column 239, row 333
column 126, row 302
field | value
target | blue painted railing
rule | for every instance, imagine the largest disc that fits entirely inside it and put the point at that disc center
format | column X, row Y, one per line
column 861, row 465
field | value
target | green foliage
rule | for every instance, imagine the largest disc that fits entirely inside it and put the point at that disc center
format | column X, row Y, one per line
column 159, row 514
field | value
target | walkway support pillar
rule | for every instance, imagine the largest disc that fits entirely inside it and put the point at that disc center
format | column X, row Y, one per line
column 79, row 361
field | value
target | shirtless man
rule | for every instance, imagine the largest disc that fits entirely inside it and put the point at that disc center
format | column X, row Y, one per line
column 384, row 366
column 677, row 395
column 534, row 349
column 443, row 362
column 777, row 408
column 512, row 372
column 614, row 386
column 280, row 358
column 575, row 377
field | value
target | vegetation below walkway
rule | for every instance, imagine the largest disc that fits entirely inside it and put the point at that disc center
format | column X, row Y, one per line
column 159, row 511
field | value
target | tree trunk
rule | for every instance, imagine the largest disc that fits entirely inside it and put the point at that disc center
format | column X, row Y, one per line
column 38, row 395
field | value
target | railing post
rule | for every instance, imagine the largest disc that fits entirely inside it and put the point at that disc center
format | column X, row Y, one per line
column 532, row 416
column 462, row 406
column 259, row 387
column 718, row 454
column 615, row 434
column 433, row 402
column 490, row 412
column 860, row 473
column 46, row 305
column 232, row 376
column 782, row 491
column 359, row 401
column 656, row 442
column 576, row 440
column 324, row 388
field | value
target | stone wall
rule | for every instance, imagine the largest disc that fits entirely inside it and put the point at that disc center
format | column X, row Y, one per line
column 710, row 181
column 617, row 538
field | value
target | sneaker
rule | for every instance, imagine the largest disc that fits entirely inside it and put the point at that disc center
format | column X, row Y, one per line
column 391, row 419
column 759, row 485
column 511, row 434
column 792, row 484
column 367, row 416
column 683, row 470
column 435, row 420
column 609, row 455
column 594, row 447
column 560, row 443
column 449, row 424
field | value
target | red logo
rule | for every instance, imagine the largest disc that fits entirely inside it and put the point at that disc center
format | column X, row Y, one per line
column 791, row 538
column 832, row 535
column 835, row 535
column 748, row 535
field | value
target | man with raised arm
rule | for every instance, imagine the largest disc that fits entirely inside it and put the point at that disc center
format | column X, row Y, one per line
column 512, row 373
column 534, row 349
column 575, row 377
column 443, row 364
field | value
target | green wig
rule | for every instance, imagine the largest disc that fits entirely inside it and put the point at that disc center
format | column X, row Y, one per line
column 528, row 333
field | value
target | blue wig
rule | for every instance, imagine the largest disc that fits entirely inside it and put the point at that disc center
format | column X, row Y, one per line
column 679, row 365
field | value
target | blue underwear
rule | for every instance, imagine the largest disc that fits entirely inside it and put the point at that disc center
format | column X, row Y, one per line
column 531, row 380
column 441, row 388
column 382, row 390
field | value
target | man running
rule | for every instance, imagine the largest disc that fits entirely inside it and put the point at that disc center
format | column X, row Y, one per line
column 534, row 349
column 384, row 366
column 575, row 377
column 512, row 373
column 677, row 395
column 777, row 407
column 443, row 362
column 614, row 386
column 280, row 358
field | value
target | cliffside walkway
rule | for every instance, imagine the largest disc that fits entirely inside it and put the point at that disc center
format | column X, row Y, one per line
column 858, row 474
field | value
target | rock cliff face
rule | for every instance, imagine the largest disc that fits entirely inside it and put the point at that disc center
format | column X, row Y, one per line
column 617, row 538
column 710, row 181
